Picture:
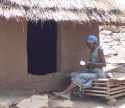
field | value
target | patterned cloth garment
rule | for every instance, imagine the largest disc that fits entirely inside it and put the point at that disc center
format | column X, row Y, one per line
column 84, row 78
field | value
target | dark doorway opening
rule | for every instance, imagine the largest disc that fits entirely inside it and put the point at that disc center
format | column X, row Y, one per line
column 41, row 47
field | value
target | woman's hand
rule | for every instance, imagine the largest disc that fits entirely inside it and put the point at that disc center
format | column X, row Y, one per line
column 89, row 63
column 98, row 65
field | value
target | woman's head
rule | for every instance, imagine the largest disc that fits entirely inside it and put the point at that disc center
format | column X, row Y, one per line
column 92, row 41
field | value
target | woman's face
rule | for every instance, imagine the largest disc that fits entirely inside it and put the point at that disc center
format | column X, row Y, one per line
column 90, row 45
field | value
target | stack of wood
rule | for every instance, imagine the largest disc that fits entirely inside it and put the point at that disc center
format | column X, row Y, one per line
column 110, row 89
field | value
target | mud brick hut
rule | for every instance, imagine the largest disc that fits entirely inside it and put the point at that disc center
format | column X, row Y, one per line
column 40, row 40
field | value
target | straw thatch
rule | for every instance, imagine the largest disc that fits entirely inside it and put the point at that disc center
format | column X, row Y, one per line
column 101, row 11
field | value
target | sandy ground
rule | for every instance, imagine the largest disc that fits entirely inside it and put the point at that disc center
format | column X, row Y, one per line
column 92, row 102
column 84, row 102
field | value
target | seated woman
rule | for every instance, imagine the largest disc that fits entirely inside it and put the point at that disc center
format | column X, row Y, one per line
column 93, row 69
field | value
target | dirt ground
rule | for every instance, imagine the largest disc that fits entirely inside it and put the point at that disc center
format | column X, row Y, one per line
column 91, row 102
column 84, row 102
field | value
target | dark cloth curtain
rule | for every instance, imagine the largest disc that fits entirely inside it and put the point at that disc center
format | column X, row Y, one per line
column 41, row 47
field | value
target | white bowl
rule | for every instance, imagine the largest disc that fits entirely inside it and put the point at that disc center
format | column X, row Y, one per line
column 82, row 62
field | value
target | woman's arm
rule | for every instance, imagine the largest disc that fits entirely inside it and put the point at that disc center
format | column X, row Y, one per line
column 102, row 62
column 102, row 57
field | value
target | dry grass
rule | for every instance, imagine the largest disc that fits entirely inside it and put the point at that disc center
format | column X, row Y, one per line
column 101, row 11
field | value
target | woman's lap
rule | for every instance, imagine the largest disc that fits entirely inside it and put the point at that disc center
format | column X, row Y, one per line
column 80, row 77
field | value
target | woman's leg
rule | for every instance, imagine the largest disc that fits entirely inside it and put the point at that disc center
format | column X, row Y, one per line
column 70, row 88
column 67, row 92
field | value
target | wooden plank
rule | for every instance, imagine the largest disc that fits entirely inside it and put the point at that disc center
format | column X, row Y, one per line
column 110, row 80
column 117, row 88
column 116, row 92
column 117, row 85
column 111, row 83
column 96, row 91
column 121, row 79
column 96, row 94
column 95, row 83
column 102, row 79
column 99, row 81
column 108, row 89
column 97, row 87
column 114, row 85
column 118, row 95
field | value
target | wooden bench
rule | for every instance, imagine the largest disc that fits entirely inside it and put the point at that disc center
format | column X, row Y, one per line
column 110, row 89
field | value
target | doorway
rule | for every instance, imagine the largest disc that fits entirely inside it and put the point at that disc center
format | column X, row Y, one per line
column 41, row 47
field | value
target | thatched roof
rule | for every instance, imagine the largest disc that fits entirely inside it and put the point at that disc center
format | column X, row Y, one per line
column 102, row 11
